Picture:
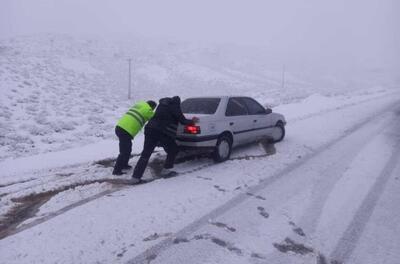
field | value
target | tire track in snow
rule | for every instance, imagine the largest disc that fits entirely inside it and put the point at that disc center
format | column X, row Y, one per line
column 119, row 183
column 348, row 242
column 16, row 182
column 55, row 177
column 328, row 110
column 156, row 249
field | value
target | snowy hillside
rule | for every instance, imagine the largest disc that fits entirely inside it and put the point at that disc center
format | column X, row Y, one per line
column 57, row 92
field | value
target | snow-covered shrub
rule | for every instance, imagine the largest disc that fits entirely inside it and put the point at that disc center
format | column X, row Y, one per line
column 96, row 119
column 13, row 138
column 37, row 130
column 99, row 134
column 5, row 114
column 48, row 140
column 67, row 125
column 31, row 108
column 55, row 126
column 21, row 148
column 41, row 118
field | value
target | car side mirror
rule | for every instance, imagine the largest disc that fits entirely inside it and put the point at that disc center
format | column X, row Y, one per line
column 268, row 111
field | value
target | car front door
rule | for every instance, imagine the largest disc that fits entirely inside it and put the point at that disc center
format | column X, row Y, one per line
column 237, row 117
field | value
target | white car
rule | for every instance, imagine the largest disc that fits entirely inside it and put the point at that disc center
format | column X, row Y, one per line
column 226, row 122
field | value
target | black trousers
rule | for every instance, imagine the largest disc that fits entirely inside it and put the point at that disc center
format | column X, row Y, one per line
column 153, row 138
column 125, row 148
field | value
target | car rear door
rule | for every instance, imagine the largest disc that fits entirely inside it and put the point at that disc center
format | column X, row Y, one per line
column 261, row 123
column 238, row 119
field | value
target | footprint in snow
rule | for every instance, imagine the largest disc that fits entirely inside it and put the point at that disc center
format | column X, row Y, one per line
column 219, row 188
column 224, row 226
column 262, row 212
column 297, row 229
column 156, row 236
column 256, row 196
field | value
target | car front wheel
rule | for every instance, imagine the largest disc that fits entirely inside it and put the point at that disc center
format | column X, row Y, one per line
column 223, row 149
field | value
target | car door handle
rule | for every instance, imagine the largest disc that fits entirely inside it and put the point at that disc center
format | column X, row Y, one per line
column 231, row 123
column 255, row 121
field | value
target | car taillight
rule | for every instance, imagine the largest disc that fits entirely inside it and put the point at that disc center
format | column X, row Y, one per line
column 191, row 129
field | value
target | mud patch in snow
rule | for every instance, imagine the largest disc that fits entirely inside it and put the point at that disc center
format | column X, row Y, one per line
column 290, row 245
column 106, row 163
column 268, row 147
column 28, row 206
column 109, row 162
column 224, row 226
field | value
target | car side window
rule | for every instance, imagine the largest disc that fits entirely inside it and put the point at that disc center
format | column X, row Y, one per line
column 235, row 108
column 253, row 106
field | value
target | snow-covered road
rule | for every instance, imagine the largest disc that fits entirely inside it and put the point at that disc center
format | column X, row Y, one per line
column 327, row 193
column 318, row 211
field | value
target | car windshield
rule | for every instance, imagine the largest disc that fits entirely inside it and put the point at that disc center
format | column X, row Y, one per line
column 206, row 106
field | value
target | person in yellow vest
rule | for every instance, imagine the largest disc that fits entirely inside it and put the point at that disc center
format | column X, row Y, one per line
column 127, row 128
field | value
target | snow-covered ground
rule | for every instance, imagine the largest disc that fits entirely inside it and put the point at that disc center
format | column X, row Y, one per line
column 102, row 222
column 326, row 194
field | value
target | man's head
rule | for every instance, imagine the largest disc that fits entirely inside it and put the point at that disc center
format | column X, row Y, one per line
column 152, row 104
column 176, row 99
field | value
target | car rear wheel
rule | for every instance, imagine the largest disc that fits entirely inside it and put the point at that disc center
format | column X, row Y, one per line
column 223, row 149
column 279, row 132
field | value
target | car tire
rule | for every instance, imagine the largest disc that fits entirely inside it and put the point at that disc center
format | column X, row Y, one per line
column 281, row 128
column 223, row 149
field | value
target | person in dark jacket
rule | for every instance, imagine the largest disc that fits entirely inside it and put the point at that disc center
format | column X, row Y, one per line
column 161, row 130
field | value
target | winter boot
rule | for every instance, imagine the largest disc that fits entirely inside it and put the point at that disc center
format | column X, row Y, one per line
column 166, row 173
column 118, row 173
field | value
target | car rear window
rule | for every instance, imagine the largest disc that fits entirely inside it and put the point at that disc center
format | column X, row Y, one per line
column 206, row 106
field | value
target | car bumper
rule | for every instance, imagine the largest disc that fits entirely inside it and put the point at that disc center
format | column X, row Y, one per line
column 197, row 141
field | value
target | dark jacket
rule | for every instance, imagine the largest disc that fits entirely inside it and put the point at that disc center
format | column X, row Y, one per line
column 167, row 116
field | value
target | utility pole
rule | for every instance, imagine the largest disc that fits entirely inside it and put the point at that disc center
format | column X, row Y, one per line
column 283, row 77
column 130, row 78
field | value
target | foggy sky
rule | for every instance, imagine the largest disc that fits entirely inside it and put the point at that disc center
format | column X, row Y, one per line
column 314, row 31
